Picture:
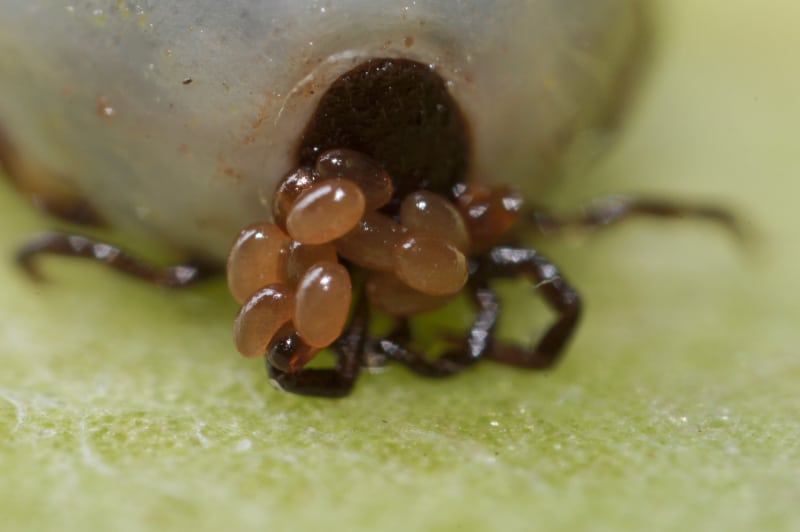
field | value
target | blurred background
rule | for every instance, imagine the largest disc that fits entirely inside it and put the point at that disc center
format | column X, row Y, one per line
column 676, row 407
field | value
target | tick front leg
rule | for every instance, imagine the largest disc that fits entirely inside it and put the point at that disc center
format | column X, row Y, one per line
column 611, row 210
column 55, row 243
column 337, row 382
column 474, row 347
column 506, row 262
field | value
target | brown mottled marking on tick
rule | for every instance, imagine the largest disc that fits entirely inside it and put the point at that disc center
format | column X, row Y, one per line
column 47, row 190
column 261, row 116
column 408, row 41
column 103, row 108
column 226, row 172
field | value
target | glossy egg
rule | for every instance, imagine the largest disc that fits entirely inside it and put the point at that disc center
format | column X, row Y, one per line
column 176, row 120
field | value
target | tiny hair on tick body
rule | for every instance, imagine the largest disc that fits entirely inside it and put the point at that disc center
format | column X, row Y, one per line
column 369, row 158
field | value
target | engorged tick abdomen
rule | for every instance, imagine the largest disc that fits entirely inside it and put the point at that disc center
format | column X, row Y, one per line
column 175, row 121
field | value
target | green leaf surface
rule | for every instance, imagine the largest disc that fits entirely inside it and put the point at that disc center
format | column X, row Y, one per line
column 124, row 407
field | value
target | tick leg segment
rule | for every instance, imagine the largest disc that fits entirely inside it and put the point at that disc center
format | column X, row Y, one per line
column 510, row 262
column 611, row 210
column 500, row 262
column 47, row 190
column 55, row 243
column 475, row 345
column 337, row 382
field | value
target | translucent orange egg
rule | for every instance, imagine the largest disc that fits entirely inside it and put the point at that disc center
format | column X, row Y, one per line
column 323, row 301
column 258, row 258
column 325, row 211
column 364, row 171
column 261, row 317
column 427, row 213
column 289, row 190
column 431, row 265
column 391, row 295
column 303, row 256
column 372, row 242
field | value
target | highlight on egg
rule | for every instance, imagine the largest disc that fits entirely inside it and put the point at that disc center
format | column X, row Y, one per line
column 363, row 157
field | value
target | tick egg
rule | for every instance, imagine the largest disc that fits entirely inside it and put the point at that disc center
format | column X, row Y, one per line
column 323, row 300
column 394, row 297
column 261, row 317
column 371, row 243
column 373, row 180
column 423, row 212
column 431, row 265
column 257, row 258
column 289, row 190
column 303, row 256
column 326, row 211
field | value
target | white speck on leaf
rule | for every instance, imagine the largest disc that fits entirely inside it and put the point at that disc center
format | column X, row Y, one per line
column 243, row 445
column 19, row 408
column 89, row 457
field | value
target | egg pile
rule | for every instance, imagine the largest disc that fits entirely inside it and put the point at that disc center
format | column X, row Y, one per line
column 287, row 274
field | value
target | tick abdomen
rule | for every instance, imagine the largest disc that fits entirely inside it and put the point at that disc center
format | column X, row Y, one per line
column 96, row 99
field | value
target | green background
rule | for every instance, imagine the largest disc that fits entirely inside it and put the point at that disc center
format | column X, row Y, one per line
column 123, row 406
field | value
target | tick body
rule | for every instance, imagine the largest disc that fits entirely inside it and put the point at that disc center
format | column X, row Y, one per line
column 369, row 156
column 95, row 114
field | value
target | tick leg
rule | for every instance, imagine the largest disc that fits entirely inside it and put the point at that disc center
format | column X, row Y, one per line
column 612, row 210
column 337, row 382
column 514, row 262
column 54, row 243
column 47, row 190
column 477, row 343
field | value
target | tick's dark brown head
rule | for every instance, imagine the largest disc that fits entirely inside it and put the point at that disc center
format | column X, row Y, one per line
column 400, row 113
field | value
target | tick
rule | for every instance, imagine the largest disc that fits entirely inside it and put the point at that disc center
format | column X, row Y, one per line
column 370, row 158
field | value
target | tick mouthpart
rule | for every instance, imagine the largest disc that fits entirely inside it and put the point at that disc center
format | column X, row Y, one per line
column 296, row 294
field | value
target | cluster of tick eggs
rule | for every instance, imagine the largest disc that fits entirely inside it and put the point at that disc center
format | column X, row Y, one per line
column 287, row 274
